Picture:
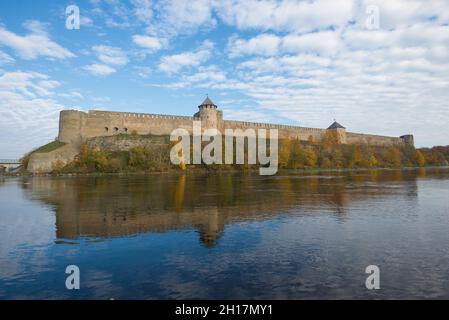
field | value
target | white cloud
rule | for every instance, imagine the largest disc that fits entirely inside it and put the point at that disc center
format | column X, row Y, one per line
column 325, row 42
column 27, row 112
column 150, row 44
column 6, row 58
column 86, row 21
column 182, row 17
column 205, row 77
column 111, row 23
column 392, row 81
column 304, row 60
column 143, row 72
column 110, row 55
column 143, row 9
column 30, row 84
column 263, row 44
column 176, row 62
column 115, row 13
column 75, row 95
column 245, row 113
column 210, row 74
column 389, row 82
column 402, row 13
column 292, row 16
column 99, row 69
column 35, row 44
column 418, row 35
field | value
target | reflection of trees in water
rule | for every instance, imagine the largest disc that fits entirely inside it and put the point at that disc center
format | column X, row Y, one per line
column 119, row 205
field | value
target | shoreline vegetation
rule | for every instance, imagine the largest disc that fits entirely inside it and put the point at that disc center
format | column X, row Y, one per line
column 293, row 155
column 194, row 171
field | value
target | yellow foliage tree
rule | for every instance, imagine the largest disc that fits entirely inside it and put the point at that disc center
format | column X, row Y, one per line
column 419, row 158
column 373, row 162
column 310, row 157
column 331, row 138
column 394, row 156
column 357, row 156
column 284, row 153
column 295, row 154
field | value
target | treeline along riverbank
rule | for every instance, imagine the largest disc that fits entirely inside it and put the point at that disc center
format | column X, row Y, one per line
column 136, row 153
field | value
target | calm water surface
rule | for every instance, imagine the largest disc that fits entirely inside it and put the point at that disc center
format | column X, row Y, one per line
column 228, row 237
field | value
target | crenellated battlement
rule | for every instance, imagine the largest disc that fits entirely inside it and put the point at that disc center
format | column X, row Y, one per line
column 97, row 113
column 235, row 123
column 76, row 126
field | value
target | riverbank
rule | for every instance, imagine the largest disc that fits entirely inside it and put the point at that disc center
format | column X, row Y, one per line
column 142, row 154
column 191, row 171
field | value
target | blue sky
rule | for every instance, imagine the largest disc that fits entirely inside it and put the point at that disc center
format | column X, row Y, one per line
column 294, row 62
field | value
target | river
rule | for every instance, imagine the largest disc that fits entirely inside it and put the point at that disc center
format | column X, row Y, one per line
column 226, row 236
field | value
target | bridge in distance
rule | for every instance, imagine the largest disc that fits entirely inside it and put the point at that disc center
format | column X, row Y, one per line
column 9, row 165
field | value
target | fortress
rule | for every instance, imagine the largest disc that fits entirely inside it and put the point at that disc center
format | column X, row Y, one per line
column 76, row 127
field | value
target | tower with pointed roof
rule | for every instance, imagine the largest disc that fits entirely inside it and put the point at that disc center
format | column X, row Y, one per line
column 210, row 116
column 339, row 131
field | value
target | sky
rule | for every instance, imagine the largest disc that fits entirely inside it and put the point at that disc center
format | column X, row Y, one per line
column 377, row 66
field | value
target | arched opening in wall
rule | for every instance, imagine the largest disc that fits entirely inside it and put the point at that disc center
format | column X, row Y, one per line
column 106, row 129
column 126, row 130
column 115, row 129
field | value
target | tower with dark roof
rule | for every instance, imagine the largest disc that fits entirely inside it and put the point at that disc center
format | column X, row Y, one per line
column 336, row 125
column 207, row 103
column 339, row 131
column 210, row 116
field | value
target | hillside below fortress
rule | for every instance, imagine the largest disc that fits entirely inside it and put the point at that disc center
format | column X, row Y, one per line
column 77, row 127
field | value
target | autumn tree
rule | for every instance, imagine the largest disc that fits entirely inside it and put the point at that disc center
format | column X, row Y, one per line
column 394, row 156
column 419, row 158
column 373, row 162
column 331, row 138
column 284, row 153
column 357, row 156
column 310, row 157
column 295, row 154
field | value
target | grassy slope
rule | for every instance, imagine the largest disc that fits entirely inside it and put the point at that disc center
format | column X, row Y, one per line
column 49, row 147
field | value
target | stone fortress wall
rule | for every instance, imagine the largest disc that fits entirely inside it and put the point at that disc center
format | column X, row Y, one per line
column 76, row 127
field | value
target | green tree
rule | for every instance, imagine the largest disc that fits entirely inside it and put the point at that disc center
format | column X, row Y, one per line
column 137, row 157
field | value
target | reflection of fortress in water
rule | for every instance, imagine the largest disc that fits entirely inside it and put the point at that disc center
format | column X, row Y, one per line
column 113, row 206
